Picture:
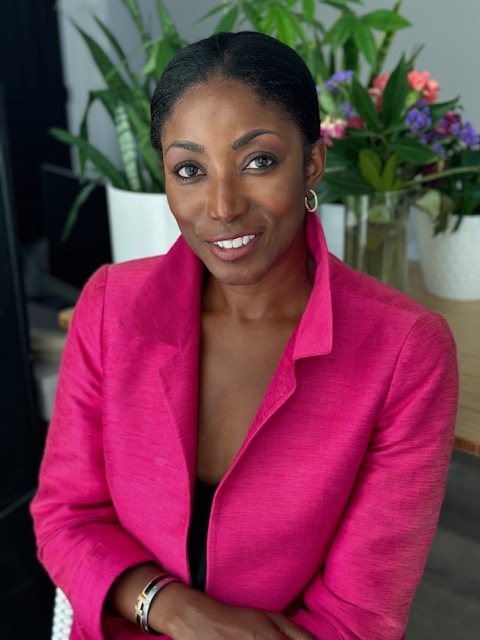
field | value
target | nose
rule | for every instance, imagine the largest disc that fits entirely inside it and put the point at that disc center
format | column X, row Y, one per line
column 226, row 200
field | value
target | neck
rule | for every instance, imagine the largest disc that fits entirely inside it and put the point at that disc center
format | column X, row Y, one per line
column 282, row 295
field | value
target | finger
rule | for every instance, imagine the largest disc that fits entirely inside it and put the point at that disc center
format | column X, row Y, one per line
column 290, row 629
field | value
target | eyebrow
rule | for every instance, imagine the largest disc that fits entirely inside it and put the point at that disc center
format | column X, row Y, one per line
column 248, row 137
column 189, row 146
column 238, row 144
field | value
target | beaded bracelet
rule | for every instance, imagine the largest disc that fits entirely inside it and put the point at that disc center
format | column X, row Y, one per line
column 145, row 600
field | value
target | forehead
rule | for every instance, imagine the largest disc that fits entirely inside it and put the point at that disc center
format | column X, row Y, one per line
column 227, row 103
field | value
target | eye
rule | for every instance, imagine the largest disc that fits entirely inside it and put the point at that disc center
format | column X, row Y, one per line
column 260, row 162
column 187, row 171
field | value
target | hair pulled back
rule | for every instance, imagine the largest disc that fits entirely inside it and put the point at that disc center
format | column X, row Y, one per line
column 275, row 72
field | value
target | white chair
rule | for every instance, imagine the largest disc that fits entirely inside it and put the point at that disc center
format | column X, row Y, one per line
column 62, row 617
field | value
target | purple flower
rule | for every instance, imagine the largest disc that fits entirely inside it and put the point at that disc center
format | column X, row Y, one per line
column 418, row 119
column 456, row 128
column 469, row 136
column 347, row 110
column 341, row 76
column 438, row 148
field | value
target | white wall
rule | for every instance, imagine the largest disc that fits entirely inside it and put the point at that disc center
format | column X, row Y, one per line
column 449, row 30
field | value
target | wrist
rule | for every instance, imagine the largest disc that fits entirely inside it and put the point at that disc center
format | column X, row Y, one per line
column 172, row 609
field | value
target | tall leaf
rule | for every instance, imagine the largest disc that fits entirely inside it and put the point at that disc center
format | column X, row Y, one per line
column 109, row 71
column 395, row 94
column 341, row 31
column 128, row 151
column 363, row 38
column 166, row 23
column 384, row 20
column 308, row 7
column 96, row 157
column 228, row 21
column 135, row 13
column 363, row 105
column 119, row 52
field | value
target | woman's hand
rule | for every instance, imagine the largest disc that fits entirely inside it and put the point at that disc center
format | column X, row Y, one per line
column 186, row 614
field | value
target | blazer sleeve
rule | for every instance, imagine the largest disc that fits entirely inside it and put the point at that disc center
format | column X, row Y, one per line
column 377, row 557
column 79, row 539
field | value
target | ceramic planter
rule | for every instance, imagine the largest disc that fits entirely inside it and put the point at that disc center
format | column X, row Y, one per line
column 450, row 261
column 141, row 224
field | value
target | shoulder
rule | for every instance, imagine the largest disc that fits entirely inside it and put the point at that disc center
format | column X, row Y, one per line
column 365, row 309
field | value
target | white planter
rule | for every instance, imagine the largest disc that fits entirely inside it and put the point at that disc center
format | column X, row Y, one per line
column 141, row 224
column 450, row 262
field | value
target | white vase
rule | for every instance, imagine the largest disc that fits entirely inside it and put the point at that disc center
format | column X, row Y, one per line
column 141, row 224
column 450, row 261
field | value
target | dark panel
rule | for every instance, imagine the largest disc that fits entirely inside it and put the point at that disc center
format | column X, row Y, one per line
column 31, row 72
column 24, row 586
column 87, row 247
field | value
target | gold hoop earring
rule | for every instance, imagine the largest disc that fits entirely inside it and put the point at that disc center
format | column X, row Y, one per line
column 311, row 208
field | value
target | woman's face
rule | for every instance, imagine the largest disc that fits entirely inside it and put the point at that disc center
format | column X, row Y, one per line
column 236, row 181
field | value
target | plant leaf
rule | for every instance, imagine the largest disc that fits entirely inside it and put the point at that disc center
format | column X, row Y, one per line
column 340, row 31
column 413, row 151
column 308, row 7
column 228, row 21
column 389, row 174
column 96, row 157
column 363, row 38
column 370, row 166
column 252, row 15
column 134, row 10
column 166, row 23
column 81, row 197
column 363, row 105
column 384, row 20
column 128, row 150
column 395, row 94
column 439, row 109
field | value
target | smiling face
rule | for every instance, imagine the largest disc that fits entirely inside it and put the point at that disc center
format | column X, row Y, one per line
column 236, row 181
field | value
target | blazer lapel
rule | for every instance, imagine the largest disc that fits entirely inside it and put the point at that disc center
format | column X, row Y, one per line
column 165, row 314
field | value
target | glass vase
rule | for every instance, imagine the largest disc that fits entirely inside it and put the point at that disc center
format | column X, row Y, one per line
column 376, row 235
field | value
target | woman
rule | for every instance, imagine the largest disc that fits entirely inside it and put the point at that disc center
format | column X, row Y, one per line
column 251, row 373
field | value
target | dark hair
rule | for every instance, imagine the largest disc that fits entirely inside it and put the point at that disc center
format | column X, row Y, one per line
column 275, row 72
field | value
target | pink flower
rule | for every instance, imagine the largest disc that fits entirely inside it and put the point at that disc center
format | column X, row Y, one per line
column 332, row 129
column 431, row 90
column 418, row 80
column 422, row 82
column 380, row 82
column 356, row 123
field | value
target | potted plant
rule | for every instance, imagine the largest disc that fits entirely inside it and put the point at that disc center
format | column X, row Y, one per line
column 140, row 221
column 380, row 147
column 448, row 216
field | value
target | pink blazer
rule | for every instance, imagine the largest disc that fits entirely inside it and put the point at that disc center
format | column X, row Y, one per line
column 332, row 500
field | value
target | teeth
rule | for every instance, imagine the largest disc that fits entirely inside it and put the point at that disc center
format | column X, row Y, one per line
column 234, row 243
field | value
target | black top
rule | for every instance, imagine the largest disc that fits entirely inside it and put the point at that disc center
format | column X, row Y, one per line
column 197, row 537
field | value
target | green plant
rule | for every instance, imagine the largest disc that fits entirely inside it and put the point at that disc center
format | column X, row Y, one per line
column 126, row 98
column 295, row 23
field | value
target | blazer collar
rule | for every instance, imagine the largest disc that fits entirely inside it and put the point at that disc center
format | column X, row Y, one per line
column 314, row 332
column 166, row 307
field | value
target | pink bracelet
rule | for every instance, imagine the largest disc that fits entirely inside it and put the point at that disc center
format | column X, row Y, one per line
column 145, row 600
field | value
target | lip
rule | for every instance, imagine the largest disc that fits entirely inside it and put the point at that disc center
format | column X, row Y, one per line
column 232, row 255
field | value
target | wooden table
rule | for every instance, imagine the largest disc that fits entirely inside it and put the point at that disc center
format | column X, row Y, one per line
column 464, row 321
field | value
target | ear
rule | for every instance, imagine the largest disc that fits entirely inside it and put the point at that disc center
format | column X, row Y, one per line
column 316, row 164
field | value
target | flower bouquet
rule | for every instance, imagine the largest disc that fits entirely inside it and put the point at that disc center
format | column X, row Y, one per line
column 386, row 142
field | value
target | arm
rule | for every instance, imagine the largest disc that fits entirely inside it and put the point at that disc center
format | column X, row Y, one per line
column 80, row 541
column 378, row 555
